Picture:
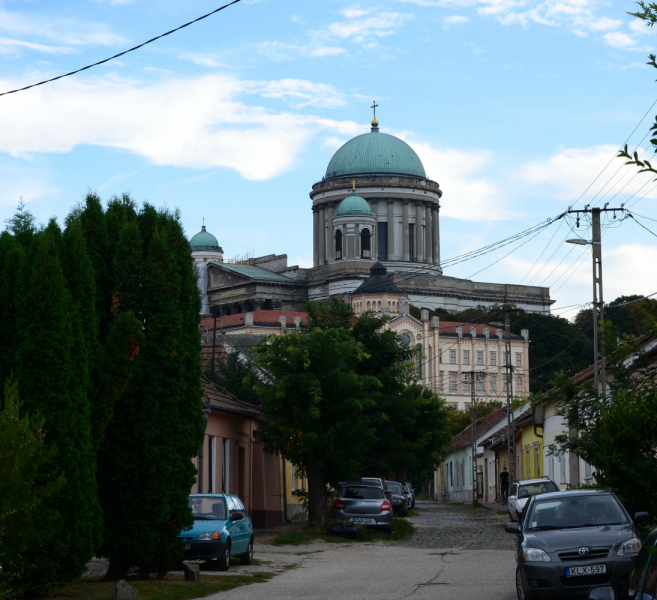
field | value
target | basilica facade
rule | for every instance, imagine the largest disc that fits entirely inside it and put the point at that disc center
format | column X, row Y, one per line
column 374, row 203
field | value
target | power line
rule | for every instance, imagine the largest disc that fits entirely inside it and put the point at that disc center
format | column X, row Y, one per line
column 100, row 62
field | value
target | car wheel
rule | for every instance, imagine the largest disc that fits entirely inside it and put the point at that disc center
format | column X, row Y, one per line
column 223, row 562
column 247, row 557
column 520, row 590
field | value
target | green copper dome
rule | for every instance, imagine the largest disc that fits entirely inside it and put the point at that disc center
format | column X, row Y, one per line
column 375, row 153
column 204, row 241
column 354, row 205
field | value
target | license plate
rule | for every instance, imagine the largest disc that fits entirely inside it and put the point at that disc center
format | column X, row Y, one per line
column 363, row 520
column 578, row 571
column 188, row 546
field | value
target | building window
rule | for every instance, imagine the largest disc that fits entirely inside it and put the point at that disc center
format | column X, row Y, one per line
column 480, row 383
column 466, row 384
column 440, row 356
column 441, row 382
column 383, row 241
column 405, row 339
column 452, row 382
column 519, row 385
column 411, row 241
column 466, row 357
column 430, row 365
column 480, row 357
column 493, row 383
column 518, row 359
column 365, row 243
column 338, row 244
column 504, row 359
column 493, row 359
column 452, row 357
column 418, row 360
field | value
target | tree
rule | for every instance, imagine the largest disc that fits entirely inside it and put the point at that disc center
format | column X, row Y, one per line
column 315, row 407
column 238, row 375
column 618, row 434
column 159, row 414
column 29, row 481
column 50, row 371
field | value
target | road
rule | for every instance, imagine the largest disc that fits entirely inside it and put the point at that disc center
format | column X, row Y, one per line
column 456, row 553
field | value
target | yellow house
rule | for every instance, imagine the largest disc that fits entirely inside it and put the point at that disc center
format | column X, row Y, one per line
column 294, row 486
column 529, row 449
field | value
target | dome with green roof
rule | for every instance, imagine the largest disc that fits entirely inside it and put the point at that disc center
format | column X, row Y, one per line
column 204, row 240
column 375, row 153
column 354, row 205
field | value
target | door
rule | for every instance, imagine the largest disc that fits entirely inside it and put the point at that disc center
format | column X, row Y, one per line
column 238, row 534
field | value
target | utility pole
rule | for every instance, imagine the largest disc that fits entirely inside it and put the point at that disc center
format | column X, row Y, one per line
column 473, row 430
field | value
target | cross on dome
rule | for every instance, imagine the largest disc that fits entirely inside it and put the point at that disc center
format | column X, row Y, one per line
column 375, row 123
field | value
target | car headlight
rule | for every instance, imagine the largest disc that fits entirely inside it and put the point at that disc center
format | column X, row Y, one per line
column 536, row 555
column 629, row 547
column 209, row 536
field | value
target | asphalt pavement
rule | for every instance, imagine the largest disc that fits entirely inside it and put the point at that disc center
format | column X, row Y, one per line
column 457, row 553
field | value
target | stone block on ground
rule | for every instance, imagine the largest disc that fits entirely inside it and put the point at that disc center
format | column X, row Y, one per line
column 124, row 591
column 192, row 571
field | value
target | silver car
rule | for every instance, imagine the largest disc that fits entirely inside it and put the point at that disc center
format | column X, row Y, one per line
column 363, row 504
column 523, row 489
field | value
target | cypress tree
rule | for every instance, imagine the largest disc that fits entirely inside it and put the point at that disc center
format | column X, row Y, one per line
column 159, row 415
column 52, row 376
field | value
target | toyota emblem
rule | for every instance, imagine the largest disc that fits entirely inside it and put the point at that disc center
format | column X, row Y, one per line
column 583, row 551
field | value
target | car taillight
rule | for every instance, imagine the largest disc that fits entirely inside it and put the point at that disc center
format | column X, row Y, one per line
column 385, row 506
column 338, row 504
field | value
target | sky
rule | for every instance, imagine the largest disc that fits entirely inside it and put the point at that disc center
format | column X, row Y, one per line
column 516, row 107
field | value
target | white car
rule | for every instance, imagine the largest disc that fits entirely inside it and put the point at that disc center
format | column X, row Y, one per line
column 523, row 489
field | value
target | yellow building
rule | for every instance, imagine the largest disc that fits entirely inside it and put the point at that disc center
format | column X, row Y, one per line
column 529, row 449
column 294, row 488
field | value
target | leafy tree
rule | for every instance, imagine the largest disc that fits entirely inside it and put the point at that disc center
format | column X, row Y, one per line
column 315, row 407
column 617, row 434
column 458, row 420
column 50, row 371
column 159, row 414
column 238, row 376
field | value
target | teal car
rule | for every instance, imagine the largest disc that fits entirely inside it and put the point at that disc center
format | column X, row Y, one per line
column 222, row 528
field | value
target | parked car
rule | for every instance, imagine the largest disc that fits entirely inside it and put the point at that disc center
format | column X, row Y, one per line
column 363, row 503
column 523, row 489
column 642, row 583
column 222, row 528
column 410, row 495
column 399, row 501
column 570, row 542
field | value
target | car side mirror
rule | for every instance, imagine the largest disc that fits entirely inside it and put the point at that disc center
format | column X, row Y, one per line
column 512, row 528
column 236, row 516
column 640, row 517
column 603, row 592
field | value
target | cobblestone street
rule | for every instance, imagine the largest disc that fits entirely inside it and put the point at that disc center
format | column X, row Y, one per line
column 456, row 553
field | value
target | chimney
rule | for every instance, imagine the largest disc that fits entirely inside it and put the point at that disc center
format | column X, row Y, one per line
column 435, row 322
column 248, row 319
column 525, row 334
column 404, row 306
column 297, row 322
column 487, row 332
column 473, row 332
column 459, row 331
column 500, row 333
column 424, row 315
column 283, row 321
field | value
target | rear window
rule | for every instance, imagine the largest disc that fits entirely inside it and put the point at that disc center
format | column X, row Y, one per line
column 533, row 489
column 362, row 493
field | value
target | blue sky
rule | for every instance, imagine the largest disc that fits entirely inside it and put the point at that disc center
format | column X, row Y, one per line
column 514, row 106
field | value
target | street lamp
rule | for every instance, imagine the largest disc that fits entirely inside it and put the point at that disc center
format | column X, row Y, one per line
column 578, row 241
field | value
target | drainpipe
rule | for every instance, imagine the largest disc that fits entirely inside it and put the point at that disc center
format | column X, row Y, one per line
column 206, row 414
column 285, row 517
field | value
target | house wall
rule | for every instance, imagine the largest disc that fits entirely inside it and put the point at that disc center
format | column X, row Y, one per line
column 295, row 486
column 531, row 451
column 458, row 476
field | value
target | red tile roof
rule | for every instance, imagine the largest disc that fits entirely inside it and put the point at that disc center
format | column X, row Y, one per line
column 483, row 424
column 449, row 328
column 265, row 318
column 218, row 397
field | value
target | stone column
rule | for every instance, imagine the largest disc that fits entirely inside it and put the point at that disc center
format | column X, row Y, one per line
column 405, row 249
column 435, row 225
column 391, row 230
column 322, row 235
column 428, row 257
column 315, row 237
column 330, row 239
column 419, row 233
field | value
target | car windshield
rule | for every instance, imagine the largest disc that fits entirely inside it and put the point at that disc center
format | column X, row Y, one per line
column 362, row 493
column 394, row 487
column 576, row 511
column 533, row 489
column 208, row 507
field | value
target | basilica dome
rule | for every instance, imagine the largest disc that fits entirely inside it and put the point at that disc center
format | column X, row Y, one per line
column 354, row 205
column 375, row 153
column 204, row 240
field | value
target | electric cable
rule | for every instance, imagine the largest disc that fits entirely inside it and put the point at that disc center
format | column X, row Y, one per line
column 100, row 62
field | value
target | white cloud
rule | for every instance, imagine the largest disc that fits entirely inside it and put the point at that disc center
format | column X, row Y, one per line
column 185, row 122
column 623, row 41
column 283, row 51
column 455, row 19
column 204, row 60
column 20, row 183
column 364, row 26
column 10, row 47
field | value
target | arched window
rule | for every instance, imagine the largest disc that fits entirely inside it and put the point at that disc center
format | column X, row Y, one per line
column 379, row 305
column 369, row 305
column 418, row 360
column 338, row 244
column 365, row 243
column 405, row 339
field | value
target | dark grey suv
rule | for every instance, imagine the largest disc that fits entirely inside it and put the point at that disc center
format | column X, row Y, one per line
column 569, row 542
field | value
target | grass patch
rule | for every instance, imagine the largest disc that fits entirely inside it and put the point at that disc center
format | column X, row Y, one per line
column 455, row 503
column 172, row 587
column 413, row 512
column 401, row 530
column 501, row 512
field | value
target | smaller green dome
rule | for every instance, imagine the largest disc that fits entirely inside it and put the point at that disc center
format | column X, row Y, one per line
column 204, row 240
column 354, row 205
